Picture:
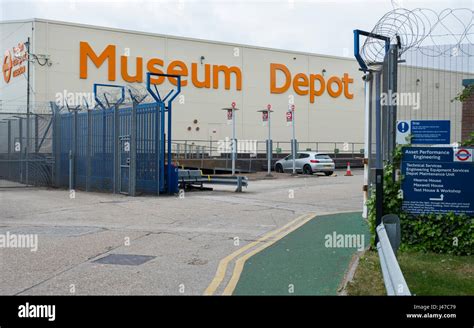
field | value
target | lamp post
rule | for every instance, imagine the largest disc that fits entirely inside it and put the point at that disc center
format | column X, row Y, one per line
column 231, row 116
column 266, row 117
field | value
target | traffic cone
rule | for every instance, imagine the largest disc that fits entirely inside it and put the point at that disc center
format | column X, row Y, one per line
column 348, row 171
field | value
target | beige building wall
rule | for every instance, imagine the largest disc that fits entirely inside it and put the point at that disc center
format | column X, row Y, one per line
column 327, row 119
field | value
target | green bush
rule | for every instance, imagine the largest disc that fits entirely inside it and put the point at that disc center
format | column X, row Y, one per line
column 447, row 233
column 440, row 233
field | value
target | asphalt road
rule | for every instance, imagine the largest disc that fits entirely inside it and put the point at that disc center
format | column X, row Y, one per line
column 185, row 239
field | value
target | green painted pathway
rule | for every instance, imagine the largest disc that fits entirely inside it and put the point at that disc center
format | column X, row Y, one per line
column 300, row 263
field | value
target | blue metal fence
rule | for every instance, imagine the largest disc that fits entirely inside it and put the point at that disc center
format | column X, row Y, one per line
column 90, row 137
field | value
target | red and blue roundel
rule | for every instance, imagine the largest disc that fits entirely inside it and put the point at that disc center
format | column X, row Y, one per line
column 463, row 155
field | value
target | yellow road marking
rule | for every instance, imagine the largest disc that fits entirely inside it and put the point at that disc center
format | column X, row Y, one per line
column 239, row 264
column 222, row 268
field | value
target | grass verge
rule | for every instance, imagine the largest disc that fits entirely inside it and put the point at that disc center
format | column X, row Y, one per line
column 425, row 273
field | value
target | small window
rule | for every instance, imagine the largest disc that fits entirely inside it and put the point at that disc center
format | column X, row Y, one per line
column 303, row 155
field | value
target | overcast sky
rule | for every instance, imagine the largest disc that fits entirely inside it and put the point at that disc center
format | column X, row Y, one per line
column 313, row 26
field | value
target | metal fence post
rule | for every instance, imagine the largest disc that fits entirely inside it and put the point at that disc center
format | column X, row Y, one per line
column 133, row 152
column 36, row 133
column 71, row 170
column 74, row 148
column 89, row 150
column 116, row 149
column 379, row 155
column 392, row 109
column 56, row 132
column 20, row 132
column 9, row 145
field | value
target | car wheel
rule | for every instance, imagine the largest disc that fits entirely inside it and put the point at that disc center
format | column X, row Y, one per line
column 307, row 170
column 328, row 173
column 279, row 168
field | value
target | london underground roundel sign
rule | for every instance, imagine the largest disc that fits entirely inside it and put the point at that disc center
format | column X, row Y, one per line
column 463, row 155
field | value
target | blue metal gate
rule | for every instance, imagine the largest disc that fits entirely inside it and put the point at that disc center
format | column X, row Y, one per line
column 89, row 136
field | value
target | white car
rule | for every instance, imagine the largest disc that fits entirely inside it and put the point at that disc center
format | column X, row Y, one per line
column 307, row 162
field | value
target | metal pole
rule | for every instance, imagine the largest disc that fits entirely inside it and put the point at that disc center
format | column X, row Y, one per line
column 20, row 131
column 56, row 144
column 269, row 146
column 9, row 147
column 72, row 174
column 293, row 142
column 36, row 134
column 162, row 145
column 27, row 107
column 378, row 119
column 71, row 169
column 133, row 152
column 89, row 150
column 234, row 142
column 379, row 160
column 389, row 110
column 169, row 171
column 116, row 147
column 392, row 113
column 367, row 138
column 157, row 114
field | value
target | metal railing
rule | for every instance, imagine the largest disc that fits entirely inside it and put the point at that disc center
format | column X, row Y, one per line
column 197, row 149
column 393, row 278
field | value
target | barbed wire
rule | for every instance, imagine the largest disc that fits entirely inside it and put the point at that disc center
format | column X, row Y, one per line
column 447, row 33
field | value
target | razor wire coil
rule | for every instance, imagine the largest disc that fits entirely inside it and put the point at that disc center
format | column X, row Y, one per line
column 449, row 33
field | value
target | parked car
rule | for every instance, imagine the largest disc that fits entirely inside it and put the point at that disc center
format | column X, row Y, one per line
column 307, row 162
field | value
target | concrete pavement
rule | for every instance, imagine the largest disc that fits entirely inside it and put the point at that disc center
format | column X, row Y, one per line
column 187, row 238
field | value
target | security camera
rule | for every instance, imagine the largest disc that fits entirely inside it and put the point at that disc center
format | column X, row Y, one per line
column 367, row 76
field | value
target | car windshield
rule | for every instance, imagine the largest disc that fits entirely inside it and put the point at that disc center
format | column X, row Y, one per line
column 322, row 156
